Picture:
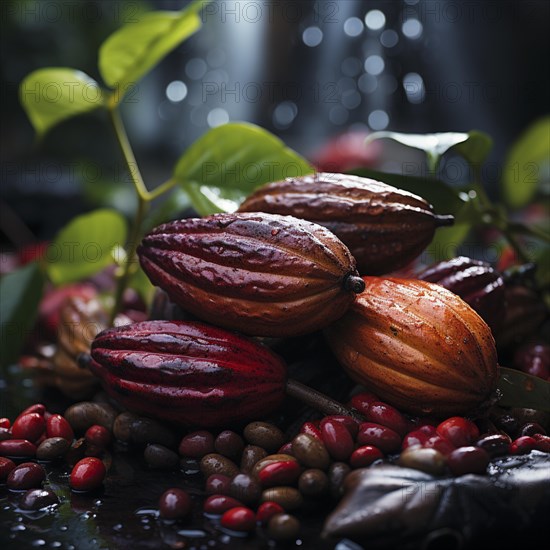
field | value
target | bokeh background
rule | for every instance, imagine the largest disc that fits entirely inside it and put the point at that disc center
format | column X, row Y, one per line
column 306, row 70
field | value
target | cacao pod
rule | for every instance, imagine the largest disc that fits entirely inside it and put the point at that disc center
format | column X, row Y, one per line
column 261, row 274
column 476, row 282
column 525, row 313
column 80, row 320
column 384, row 227
column 188, row 373
column 418, row 346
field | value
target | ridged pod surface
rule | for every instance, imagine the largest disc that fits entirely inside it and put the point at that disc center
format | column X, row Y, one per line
column 188, row 373
column 418, row 346
column 261, row 274
column 384, row 227
column 476, row 282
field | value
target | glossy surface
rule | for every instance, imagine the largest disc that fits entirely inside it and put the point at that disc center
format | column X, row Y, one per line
column 88, row 474
column 188, row 373
column 421, row 348
column 373, row 219
column 260, row 274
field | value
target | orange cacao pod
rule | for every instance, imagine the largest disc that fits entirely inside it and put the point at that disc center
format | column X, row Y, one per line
column 260, row 274
column 384, row 227
column 418, row 346
column 80, row 320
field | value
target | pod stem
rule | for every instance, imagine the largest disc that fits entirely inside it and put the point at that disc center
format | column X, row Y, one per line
column 319, row 401
column 442, row 220
column 354, row 283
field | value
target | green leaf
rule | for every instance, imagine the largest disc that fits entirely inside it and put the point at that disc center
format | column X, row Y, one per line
column 85, row 246
column 473, row 146
column 134, row 49
column 227, row 163
column 173, row 206
column 476, row 148
column 519, row 389
column 57, row 93
column 20, row 294
column 443, row 198
column 527, row 164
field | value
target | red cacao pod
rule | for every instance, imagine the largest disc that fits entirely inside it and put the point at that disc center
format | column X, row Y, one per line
column 525, row 313
column 188, row 373
column 384, row 227
column 261, row 274
column 418, row 346
column 476, row 282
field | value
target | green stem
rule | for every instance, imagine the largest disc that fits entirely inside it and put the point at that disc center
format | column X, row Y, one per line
column 532, row 231
column 128, row 154
column 162, row 188
column 514, row 243
column 133, row 242
column 144, row 199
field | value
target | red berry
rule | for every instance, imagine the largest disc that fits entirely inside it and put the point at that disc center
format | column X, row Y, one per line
column 495, row 444
column 310, row 428
column 361, row 402
column 386, row 415
column 217, row 484
column 218, row 504
column 522, row 445
column 98, row 436
column 5, row 423
column 26, row 476
column 337, row 439
column 36, row 408
column 543, row 443
column 239, row 519
column 365, row 456
column 21, row 448
column 88, row 474
column 439, row 444
column 283, row 472
column 459, row 431
column 350, row 423
column 174, row 504
column 58, row 426
column 468, row 460
column 29, row 426
column 415, row 437
column 6, row 466
column 428, row 429
column 267, row 510
column 382, row 437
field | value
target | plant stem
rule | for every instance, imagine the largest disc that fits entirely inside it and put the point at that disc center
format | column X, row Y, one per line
column 162, row 188
column 133, row 241
column 144, row 199
column 318, row 401
column 128, row 154
column 532, row 231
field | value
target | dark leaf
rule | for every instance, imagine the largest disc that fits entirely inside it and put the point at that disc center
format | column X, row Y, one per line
column 20, row 294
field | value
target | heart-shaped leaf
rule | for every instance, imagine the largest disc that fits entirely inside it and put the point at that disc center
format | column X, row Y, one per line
column 85, row 246
column 55, row 94
column 134, row 49
column 20, row 293
column 474, row 145
column 527, row 164
column 226, row 164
